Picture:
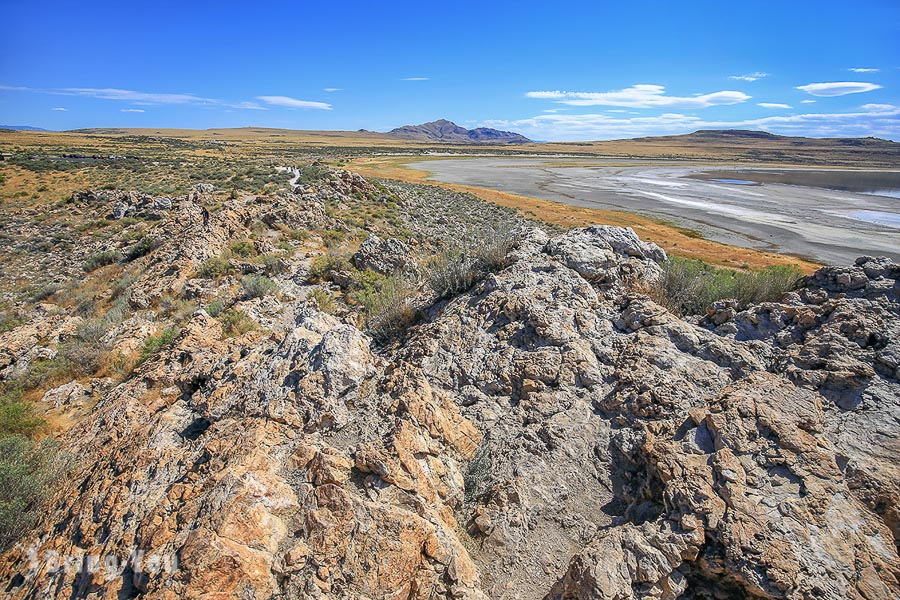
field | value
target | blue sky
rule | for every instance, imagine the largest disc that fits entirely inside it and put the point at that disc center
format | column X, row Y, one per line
column 551, row 70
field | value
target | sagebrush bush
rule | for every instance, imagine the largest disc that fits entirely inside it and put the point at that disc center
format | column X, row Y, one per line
column 155, row 343
column 29, row 473
column 101, row 259
column 323, row 299
column 452, row 271
column 459, row 267
column 243, row 248
column 688, row 287
column 257, row 286
column 274, row 264
column 143, row 247
column 17, row 415
column 213, row 268
column 325, row 264
column 214, row 309
column 386, row 302
column 235, row 322
column 332, row 238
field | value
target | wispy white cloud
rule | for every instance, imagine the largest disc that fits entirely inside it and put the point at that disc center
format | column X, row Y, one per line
column 131, row 95
column 415, row 79
column 863, row 70
column 133, row 110
column 807, row 102
column 750, row 76
column 245, row 105
column 137, row 97
column 641, row 96
column 876, row 120
column 838, row 88
column 60, row 108
column 774, row 105
column 289, row 102
column 879, row 107
column 331, row 89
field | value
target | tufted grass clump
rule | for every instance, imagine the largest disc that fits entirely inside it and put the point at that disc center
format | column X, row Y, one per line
column 688, row 286
column 387, row 303
column 458, row 268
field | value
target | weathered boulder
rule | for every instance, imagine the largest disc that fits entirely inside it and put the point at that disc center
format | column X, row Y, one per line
column 388, row 257
column 608, row 255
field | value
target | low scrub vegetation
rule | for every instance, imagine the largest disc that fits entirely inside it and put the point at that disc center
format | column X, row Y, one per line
column 235, row 322
column 101, row 259
column 323, row 299
column 214, row 268
column 457, row 269
column 323, row 265
column 688, row 286
column 257, row 286
column 143, row 247
column 29, row 471
column 155, row 343
column 386, row 302
column 243, row 248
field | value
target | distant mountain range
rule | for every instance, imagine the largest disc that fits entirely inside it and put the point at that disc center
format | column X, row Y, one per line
column 443, row 130
column 22, row 128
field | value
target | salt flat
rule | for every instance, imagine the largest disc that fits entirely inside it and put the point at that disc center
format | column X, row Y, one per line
column 825, row 225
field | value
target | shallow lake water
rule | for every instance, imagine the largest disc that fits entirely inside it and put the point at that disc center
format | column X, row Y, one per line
column 876, row 183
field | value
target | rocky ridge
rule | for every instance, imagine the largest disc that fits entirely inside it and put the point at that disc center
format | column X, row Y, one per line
column 443, row 130
column 550, row 433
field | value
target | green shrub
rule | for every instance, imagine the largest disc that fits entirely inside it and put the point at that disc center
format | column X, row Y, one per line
column 9, row 321
column 44, row 292
column 155, row 343
column 257, row 286
column 215, row 308
column 456, row 269
column 323, row 299
column 386, row 301
column 323, row 265
column 213, row 268
column 243, row 248
column 29, row 474
column 274, row 264
column 16, row 415
column 235, row 322
column 144, row 246
column 688, row 287
column 101, row 259
column 332, row 238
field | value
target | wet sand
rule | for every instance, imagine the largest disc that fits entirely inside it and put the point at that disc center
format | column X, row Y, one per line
column 823, row 225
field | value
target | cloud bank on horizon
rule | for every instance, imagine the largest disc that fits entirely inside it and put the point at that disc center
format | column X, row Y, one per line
column 613, row 70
